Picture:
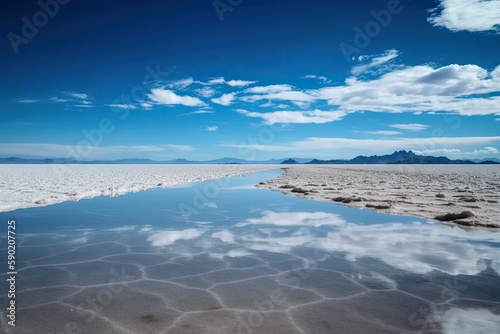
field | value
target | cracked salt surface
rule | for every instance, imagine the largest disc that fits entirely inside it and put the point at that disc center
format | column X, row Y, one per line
column 256, row 262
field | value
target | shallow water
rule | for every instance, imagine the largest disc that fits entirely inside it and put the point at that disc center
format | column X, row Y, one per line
column 224, row 257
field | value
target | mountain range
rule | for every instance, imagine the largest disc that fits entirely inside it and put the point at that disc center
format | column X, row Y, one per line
column 398, row 157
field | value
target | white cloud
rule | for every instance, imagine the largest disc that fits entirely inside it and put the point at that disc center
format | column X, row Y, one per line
column 81, row 96
column 122, row 228
column 410, row 127
column 239, row 83
column 274, row 93
column 80, row 152
column 269, row 89
column 375, row 61
column 297, row 117
column 122, row 106
column 166, row 238
column 216, row 81
column 179, row 147
column 469, row 15
column 225, row 99
column 319, row 77
column 28, row 101
column 224, row 236
column 439, row 151
column 379, row 145
column 168, row 97
column 418, row 89
column 488, row 150
column 206, row 92
column 198, row 112
column 469, row 321
column 211, row 128
column 146, row 105
column 180, row 84
column 414, row 89
column 314, row 219
column 383, row 133
column 232, row 83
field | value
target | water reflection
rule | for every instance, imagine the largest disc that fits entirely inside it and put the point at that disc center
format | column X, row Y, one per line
column 250, row 261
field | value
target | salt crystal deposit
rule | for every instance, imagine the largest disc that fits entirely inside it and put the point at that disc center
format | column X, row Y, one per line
column 466, row 195
column 24, row 186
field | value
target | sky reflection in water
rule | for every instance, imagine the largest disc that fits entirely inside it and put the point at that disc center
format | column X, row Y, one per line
column 223, row 256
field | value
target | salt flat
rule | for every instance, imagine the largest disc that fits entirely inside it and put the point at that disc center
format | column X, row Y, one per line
column 426, row 191
column 24, row 186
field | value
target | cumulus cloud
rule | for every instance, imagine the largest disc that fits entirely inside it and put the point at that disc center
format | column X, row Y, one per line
column 165, row 238
column 225, row 99
column 415, row 89
column 168, row 97
column 468, row 15
column 410, row 127
column 374, row 61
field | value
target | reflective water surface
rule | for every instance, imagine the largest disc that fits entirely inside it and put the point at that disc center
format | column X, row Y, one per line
column 224, row 257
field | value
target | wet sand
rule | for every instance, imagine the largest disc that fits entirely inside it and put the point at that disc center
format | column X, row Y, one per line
column 462, row 195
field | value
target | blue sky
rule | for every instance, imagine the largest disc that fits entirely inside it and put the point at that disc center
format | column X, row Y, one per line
column 249, row 79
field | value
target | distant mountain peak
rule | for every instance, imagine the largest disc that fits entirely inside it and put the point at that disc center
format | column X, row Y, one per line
column 290, row 161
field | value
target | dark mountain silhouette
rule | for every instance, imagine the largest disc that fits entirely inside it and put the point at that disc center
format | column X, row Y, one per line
column 290, row 162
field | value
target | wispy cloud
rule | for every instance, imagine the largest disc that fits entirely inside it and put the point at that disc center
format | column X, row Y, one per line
column 122, row 106
column 168, row 97
column 198, row 112
column 225, row 99
column 79, row 152
column 374, row 61
column 383, row 132
column 297, row 117
column 319, row 77
column 81, row 96
column 410, row 127
column 468, row 15
column 180, row 84
column 375, row 145
column 211, row 128
column 179, row 147
column 488, row 150
column 206, row 92
column 28, row 101
column 232, row 83
column 165, row 238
